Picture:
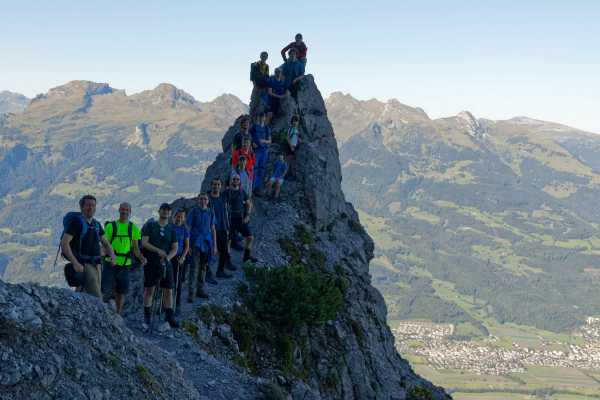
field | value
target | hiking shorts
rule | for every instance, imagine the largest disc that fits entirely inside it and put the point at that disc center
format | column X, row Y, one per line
column 154, row 273
column 238, row 225
column 92, row 282
column 116, row 277
column 277, row 180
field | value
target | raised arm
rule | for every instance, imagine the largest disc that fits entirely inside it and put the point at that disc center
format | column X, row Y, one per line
column 285, row 50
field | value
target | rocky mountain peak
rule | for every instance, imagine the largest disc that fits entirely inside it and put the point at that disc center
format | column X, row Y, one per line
column 12, row 102
column 472, row 124
column 76, row 89
column 168, row 93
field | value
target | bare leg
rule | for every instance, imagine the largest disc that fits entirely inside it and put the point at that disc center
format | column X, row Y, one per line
column 148, row 293
column 119, row 302
column 168, row 298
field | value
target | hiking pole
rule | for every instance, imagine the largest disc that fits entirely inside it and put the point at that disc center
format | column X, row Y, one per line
column 176, row 291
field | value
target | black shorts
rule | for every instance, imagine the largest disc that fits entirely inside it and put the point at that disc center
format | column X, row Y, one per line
column 116, row 277
column 238, row 225
column 154, row 273
column 223, row 242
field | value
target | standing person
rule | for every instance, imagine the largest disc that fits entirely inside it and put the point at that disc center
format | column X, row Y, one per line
column 301, row 50
column 178, row 262
column 239, row 215
column 242, row 134
column 159, row 243
column 218, row 203
column 279, row 170
column 124, row 237
column 203, row 241
column 246, row 182
column 293, row 134
column 80, row 245
column 246, row 151
column 261, row 139
column 276, row 91
column 292, row 69
column 259, row 71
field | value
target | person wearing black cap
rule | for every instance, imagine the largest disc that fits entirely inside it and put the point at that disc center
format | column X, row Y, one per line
column 159, row 243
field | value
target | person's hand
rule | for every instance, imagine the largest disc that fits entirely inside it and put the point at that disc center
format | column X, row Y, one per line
column 161, row 253
column 113, row 259
column 78, row 267
column 246, row 219
column 143, row 261
column 181, row 260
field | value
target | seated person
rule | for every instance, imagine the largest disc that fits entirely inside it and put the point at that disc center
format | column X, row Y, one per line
column 279, row 171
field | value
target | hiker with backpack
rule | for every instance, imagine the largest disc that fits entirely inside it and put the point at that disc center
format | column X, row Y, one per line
column 203, row 239
column 300, row 47
column 124, row 237
column 240, row 206
column 259, row 71
column 261, row 139
column 159, row 243
column 183, row 249
column 80, row 243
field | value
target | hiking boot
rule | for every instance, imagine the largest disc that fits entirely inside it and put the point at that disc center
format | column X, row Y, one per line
column 250, row 258
column 145, row 327
column 190, row 299
column 257, row 193
column 237, row 246
column 173, row 323
column 229, row 265
column 223, row 275
column 211, row 280
column 202, row 294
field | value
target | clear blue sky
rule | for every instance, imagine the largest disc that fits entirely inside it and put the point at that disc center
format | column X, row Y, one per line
column 497, row 59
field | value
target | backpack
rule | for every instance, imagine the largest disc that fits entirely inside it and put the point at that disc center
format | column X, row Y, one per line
column 68, row 220
column 115, row 235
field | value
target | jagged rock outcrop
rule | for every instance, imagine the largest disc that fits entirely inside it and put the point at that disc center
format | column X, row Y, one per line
column 59, row 344
column 352, row 357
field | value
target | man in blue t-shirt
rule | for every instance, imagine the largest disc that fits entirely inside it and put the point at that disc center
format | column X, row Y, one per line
column 293, row 69
column 178, row 262
column 276, row 91
column 280, row 169
column 261, row 139
column 203, row 241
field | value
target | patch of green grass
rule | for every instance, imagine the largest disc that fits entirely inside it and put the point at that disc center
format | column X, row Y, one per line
column 304, row 235
column 419, row 393
column 209, row 312
column 291, row 249
column 190, row 328
column 146, row 377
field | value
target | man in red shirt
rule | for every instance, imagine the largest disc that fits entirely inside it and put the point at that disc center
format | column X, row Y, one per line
column 246, row 151
column 301, row 50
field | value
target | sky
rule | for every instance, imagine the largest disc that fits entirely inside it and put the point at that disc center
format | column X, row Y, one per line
column 497, row 59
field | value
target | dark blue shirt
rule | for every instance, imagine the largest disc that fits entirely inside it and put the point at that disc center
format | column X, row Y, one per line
column 278, row 87
column 260, row 132
column 182, row 233
column 200, row 222
column 279, row 169
column 291, row 70
column 219, row 207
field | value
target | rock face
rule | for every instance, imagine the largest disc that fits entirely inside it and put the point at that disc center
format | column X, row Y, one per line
column 355, row 354
column 58, row 344
column 12, row 102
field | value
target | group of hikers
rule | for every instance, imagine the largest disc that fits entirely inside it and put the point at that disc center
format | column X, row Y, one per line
column 180, row 246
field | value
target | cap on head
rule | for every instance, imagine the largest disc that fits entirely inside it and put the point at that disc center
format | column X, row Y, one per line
column 165, row 206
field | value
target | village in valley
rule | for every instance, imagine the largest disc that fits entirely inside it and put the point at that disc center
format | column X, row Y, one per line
column 489, row 356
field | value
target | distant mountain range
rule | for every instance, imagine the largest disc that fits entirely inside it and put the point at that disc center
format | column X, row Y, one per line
column 503, row 214
column 86, row 137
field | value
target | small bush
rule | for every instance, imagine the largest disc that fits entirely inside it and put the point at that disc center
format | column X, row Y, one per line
column 207, row 312
column 304, row 235
column 355, row 226
column 190, row 327
column 146, row 377
column 272, row 391
column 419, row 393
column 291, row 249
column 291, row 296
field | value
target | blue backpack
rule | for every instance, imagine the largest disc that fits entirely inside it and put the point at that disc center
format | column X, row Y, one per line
column 67, row 221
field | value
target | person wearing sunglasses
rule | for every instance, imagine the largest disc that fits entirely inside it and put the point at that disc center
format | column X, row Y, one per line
column 159, row 243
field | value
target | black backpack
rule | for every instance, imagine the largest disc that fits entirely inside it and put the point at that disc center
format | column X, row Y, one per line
column 115, row 235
